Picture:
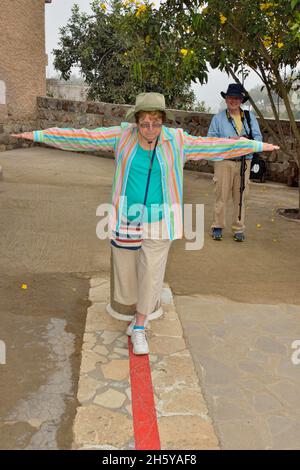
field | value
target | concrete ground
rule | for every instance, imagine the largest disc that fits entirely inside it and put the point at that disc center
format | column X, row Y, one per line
column 47, row 244
column 238, row 303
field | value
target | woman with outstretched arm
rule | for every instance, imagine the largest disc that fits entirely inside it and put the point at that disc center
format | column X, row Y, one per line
column 149, row 161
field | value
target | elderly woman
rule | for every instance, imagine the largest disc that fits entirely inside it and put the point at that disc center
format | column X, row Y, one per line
column 148, row 181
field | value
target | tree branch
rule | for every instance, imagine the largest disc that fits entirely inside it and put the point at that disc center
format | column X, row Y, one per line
column 285, row 96
column 282, row 89
column 276, row 115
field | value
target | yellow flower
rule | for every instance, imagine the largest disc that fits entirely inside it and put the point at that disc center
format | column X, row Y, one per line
column 267, row 41
column 191, row 52
column 24, row 286
column 140, row 10
column 223, row 18
column 265, row 6
column 258, row 226
column 184, row 52
column 271, row 13
column 280, row 45
column 103, row 6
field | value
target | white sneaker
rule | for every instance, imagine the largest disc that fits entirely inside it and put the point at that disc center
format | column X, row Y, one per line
column 139, row 342
column 131, row 325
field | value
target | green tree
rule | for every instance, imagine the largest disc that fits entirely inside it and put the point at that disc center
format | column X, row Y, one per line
column 90, row 43
column 238, row 36
column 123, row 48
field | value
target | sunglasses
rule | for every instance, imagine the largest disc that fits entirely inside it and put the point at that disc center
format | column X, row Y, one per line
column 147, row 125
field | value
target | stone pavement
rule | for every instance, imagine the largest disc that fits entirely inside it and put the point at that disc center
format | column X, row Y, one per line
column 249, row 369
column 243, row 356
column 104, row 416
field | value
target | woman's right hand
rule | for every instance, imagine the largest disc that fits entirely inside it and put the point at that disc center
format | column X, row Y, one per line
column 24, row 135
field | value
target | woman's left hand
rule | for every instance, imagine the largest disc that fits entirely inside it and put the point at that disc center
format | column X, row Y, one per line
column 269, row 147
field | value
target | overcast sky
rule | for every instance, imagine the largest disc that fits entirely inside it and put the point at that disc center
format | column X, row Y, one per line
column 57, row 15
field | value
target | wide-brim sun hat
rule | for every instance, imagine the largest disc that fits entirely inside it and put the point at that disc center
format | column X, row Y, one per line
column 149, row 102
column 237, row 90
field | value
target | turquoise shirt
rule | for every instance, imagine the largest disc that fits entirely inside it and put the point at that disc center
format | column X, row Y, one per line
column 136, row 187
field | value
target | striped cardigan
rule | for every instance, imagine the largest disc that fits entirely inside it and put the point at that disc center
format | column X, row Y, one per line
column 174, row 148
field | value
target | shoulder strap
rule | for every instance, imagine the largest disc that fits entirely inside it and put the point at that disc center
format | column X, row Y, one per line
column 248, row 119
column 149, row 173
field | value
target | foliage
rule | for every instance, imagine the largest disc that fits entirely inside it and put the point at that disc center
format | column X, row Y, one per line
column 244, row 35
column 201, row 107
column 127, row 47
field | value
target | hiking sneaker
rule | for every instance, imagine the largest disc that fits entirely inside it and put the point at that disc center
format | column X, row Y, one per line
column 239, row 237
column 139, row 341
column 216, row 233
column 131, row 326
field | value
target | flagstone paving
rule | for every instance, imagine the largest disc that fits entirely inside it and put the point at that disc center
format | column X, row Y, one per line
column 248, row 367
column 241, row 353
column 104, row 414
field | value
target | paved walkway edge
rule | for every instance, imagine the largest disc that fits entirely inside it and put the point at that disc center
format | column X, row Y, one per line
column 104, row 414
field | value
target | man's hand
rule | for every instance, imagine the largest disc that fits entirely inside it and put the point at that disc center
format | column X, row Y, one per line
column 24, row 135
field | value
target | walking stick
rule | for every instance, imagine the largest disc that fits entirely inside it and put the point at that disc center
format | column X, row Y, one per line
column 242, row 184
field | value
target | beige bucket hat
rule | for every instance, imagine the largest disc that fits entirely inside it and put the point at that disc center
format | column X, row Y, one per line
column 149, row 102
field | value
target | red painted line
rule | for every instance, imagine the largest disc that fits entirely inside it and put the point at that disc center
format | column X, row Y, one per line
column 145, row 426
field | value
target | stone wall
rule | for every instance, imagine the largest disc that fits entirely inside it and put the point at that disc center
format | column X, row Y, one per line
column 14, row 127
column 63, row 113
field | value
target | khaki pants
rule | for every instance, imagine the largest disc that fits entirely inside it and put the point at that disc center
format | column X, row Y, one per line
column 227, row 184
column 139, row 274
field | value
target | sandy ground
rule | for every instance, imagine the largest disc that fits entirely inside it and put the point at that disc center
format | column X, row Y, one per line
column 263, row 269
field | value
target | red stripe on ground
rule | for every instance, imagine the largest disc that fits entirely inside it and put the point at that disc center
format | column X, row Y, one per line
column 145, row 426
